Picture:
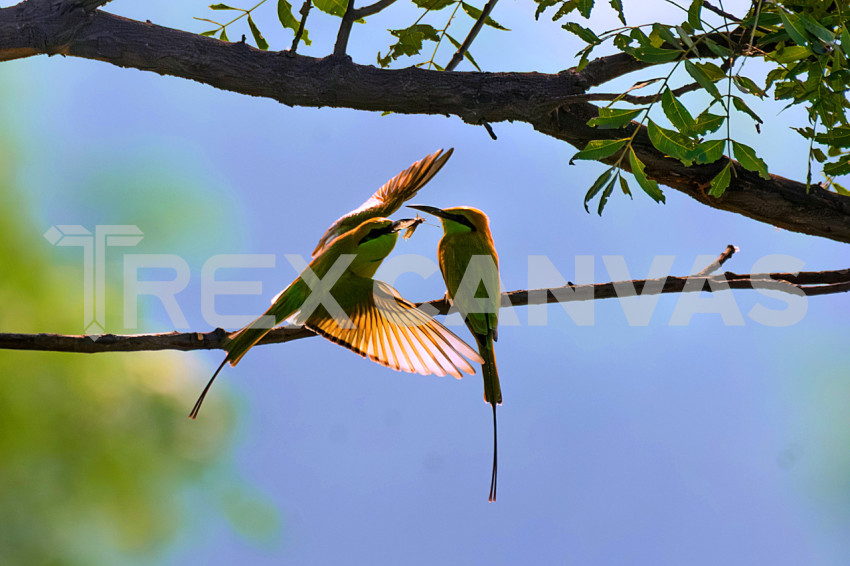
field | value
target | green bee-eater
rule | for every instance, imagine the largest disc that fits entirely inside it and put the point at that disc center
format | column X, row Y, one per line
column 389, row 197
column 470, row 268
column 336, row 297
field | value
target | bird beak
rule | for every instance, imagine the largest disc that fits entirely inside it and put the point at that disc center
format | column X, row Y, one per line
column 438, row 212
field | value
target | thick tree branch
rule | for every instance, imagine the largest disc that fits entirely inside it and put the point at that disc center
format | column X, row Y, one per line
column 553, row 104
column 811, row 283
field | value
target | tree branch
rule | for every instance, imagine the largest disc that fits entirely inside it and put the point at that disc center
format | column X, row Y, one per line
column 470, row 37
column 372, row 8
column 305, row 10
column 809, row 283
column 718, row 263
column 538, row 99
column 344, row 30
column 632, row 99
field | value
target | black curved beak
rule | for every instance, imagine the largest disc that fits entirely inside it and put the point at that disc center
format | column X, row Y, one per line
column 438, row 212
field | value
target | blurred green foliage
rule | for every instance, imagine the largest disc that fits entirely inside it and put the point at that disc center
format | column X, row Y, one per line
column 96, row 451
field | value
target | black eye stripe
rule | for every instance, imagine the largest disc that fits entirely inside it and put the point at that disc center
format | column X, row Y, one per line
column 376, row 233
column 463, row 220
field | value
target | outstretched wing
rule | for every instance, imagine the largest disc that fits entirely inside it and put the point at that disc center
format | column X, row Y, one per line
column 391, row 331
column 389, row 197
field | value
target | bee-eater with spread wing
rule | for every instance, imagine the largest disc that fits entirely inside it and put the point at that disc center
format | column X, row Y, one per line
column 337, row 297
column 389, row 197
column 470, row 268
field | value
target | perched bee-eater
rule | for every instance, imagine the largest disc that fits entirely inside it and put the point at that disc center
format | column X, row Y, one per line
column 389, row 197
column 354, row 310
column 470, row 268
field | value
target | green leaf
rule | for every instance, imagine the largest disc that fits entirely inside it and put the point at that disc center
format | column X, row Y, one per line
column 584, row 7
column 597, row 186
column 677, row 113
column 649, row 54
column 708, row 152
column 711, row 70
column 700, row 77
column 748, row 159
column 332, row 7
column 791, row 53
column 624, row 186
column 845, row 40
column 694, row 14
column 542, row 6
column 794, row 27
column 603, row 200
column 288, row 20
column 466, row 54
column 585, row 34
column 841, row 167
column 684, row 35
column 566, row 8
column 742, row 106
column 618, row 6
column 721, row 181
column 815, row 28
column 436, row 5
column 649, row 186
column 670, row 142
column 209, row 33
column 224, row 7
column 707, row 123
column 409, row 42
column 748, row 85
column 664, row 33
column 258, row 37
column 223, row 35
column 475, row 13
column 835, row 137
column 599, row 149
column 611, row 118
column 717, row 49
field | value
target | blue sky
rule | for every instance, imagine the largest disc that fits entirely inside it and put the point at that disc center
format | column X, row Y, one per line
column 619, row 444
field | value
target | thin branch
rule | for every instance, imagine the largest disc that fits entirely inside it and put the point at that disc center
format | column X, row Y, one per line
column 473, row 33
column 630, row 98
column 718, row 263
column 708, row 6
column 810, row 283
column 305, row 10
column 372, row 8
column 344, row 30
column 490, row 131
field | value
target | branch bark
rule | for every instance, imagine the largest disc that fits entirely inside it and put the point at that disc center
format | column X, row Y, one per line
column 809, row 283
column 554, row 104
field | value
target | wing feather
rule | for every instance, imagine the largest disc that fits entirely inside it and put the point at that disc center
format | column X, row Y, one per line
column 393, row 332
column 389, row 197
